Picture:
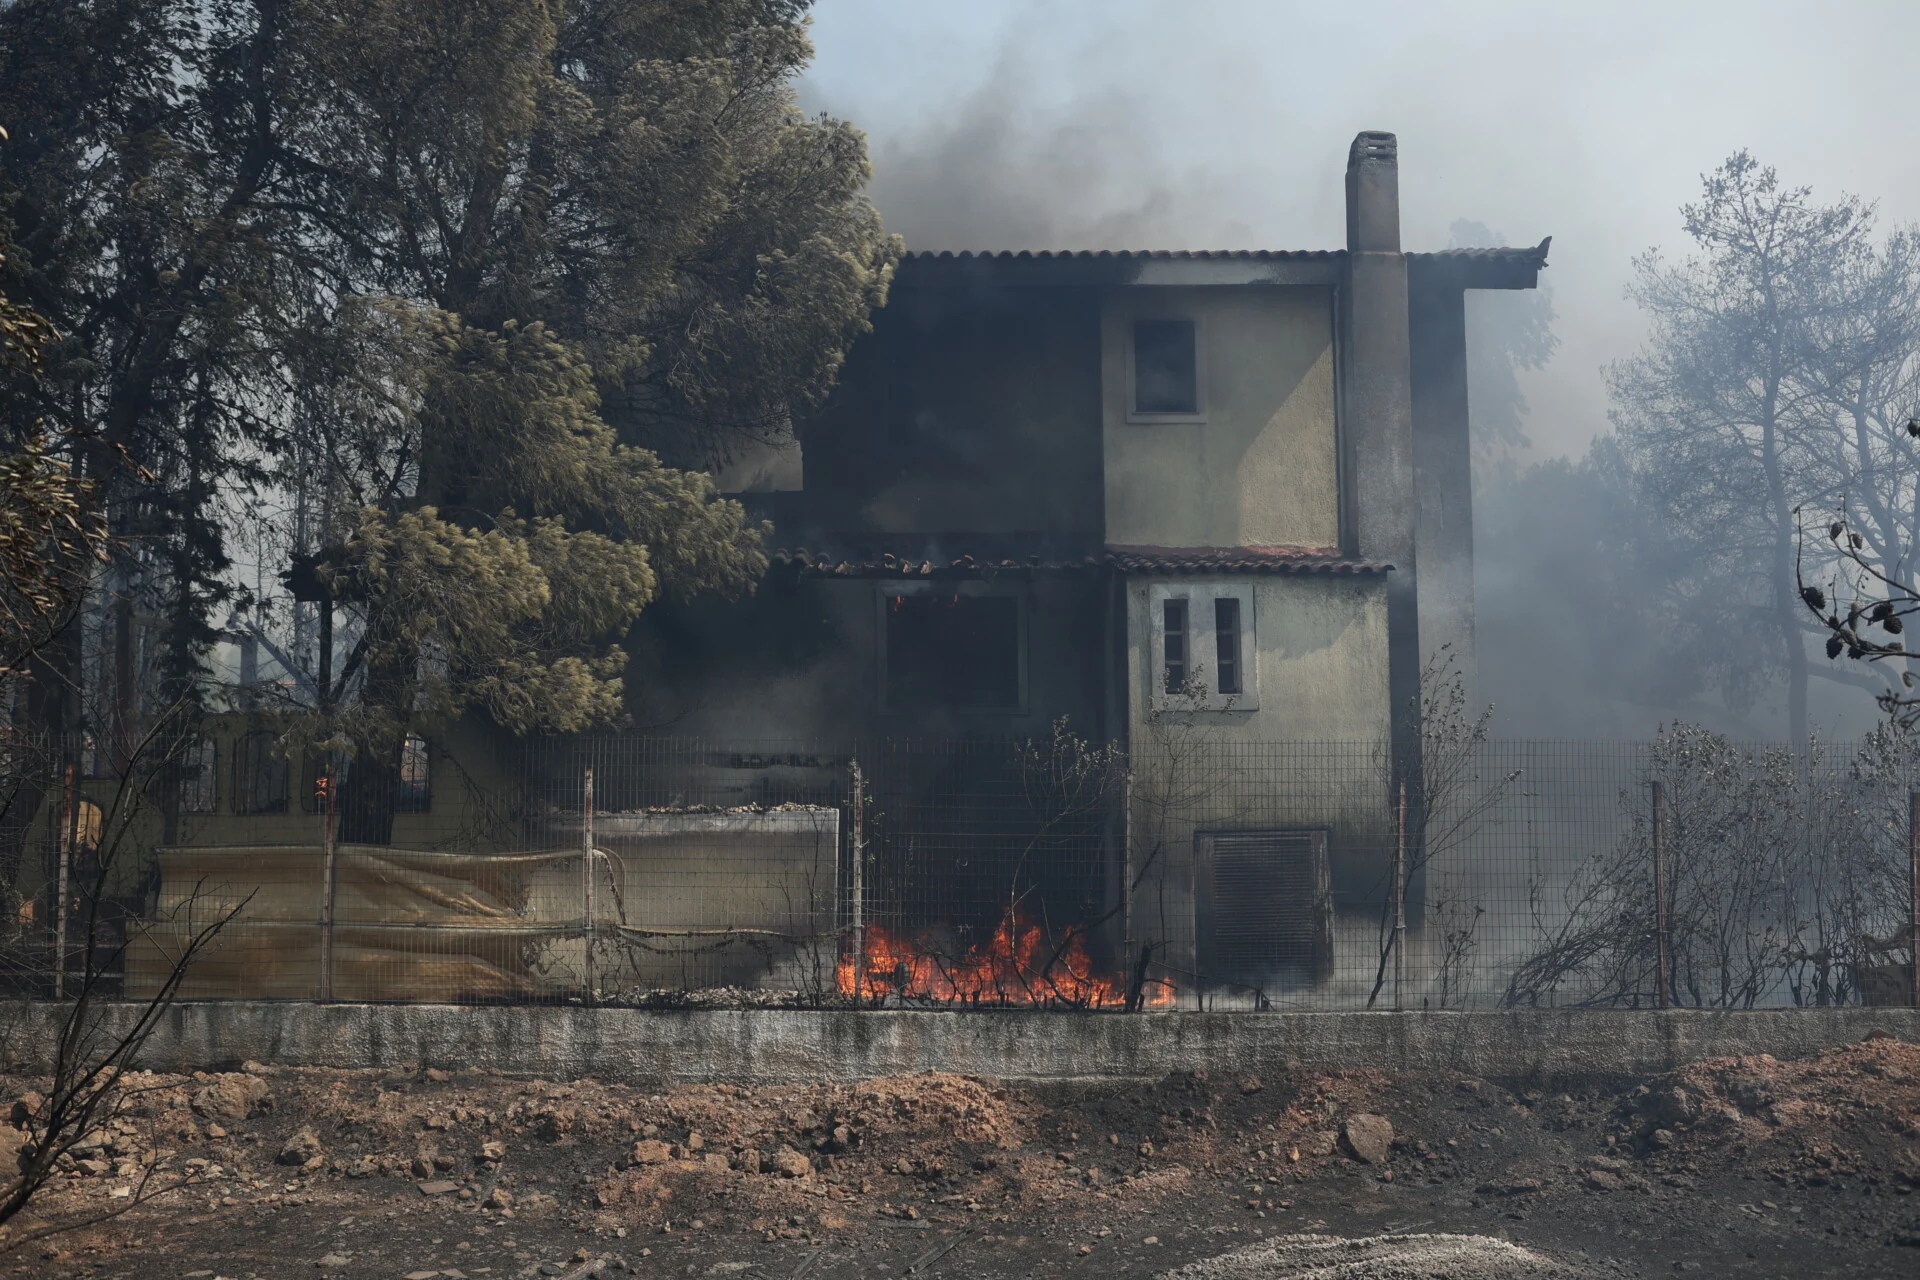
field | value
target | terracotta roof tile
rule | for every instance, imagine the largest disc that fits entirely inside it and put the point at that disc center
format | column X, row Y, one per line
column 1123, row 255
column 1527, row 255
column 1524, row 255
column 1280, row 560
column 1128, row 559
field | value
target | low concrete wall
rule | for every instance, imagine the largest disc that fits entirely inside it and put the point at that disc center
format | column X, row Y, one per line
column 764, row 1046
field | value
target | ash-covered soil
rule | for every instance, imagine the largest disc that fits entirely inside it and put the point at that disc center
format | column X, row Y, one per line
column 1740, row 1166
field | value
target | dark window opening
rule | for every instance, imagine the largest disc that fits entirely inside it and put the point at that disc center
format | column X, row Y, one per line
column 199, row 781
column 259, row 776
column 953, row 651
column 1174, row 629
column 1165, row 367
column 416, row 780
column 1226, row 631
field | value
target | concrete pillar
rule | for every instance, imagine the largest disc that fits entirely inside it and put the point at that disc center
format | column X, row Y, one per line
column 1377, row 411
column 1443, row 467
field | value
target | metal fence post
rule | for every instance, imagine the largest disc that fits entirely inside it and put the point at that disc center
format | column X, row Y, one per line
column 586, row 883
column 328, row 879
column 1913, row 894
column 1662, row 957
column 857, row 910
column 1400, row 898
column 1126, row 873
column 64, row 841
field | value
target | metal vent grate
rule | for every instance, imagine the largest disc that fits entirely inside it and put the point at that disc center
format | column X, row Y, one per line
column 1266, row 907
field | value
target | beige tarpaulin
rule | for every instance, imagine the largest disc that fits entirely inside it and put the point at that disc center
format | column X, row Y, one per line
column 409, row 925
column 736, row 898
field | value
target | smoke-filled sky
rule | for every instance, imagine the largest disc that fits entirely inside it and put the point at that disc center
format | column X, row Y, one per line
column 1225, row 124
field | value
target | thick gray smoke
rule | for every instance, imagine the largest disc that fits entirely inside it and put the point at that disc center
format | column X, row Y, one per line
column 1005, row 172
column 1135, row 124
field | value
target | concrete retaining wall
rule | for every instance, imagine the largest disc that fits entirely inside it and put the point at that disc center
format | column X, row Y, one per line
column 764, row 1046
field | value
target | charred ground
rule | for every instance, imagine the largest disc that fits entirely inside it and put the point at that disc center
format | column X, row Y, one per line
column 1737, row 1166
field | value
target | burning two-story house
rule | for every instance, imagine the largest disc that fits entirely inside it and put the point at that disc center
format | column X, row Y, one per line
column 1099, row 596
column 1220, row 497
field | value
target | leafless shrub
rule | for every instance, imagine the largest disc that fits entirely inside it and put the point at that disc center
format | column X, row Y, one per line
column 97, row 1043
column 1779, row 865
column 1449, row 799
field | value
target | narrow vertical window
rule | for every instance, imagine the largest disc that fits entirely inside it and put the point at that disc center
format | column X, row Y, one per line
column 1226, row 633
column 198, row 778
column 1174, row 633
column 416, row 790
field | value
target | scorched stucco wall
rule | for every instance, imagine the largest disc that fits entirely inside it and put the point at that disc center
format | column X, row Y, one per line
column 1261, row 470
column 1321, row 654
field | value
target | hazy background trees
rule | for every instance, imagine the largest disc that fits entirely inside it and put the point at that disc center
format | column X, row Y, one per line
column 1658, row 573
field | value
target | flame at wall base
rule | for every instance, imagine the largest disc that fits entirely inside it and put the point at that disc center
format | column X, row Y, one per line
column 1016, row 966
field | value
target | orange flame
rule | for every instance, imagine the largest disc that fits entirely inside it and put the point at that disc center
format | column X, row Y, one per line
column 1014, row 966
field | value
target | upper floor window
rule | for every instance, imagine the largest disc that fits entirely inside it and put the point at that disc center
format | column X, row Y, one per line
column 1163, row 362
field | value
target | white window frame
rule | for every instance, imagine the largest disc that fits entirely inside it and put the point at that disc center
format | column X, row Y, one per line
column 1202, row 646
column 1199, row 370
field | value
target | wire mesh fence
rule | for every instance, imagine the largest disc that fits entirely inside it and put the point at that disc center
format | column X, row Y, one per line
column 1186, row 870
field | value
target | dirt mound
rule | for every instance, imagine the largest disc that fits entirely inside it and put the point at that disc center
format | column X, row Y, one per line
column 1357, row 1173
column 1407, row 1257
column 1849, row 1111
column 966, row 1110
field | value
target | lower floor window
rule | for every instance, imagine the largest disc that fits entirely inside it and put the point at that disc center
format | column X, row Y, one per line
column 1201, row 647
column 952, row 650
column 416, row 778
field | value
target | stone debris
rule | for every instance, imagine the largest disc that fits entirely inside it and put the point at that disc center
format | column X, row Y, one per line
column 827, row 1164
column 1368, row 1137
column 788, row 1163
column 230, row 1097
column 300, row 1149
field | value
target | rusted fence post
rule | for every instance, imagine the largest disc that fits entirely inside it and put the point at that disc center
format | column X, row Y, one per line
column 586, row 884
column 329, row 878
column 1400, row 898
column 1662, row 956
column 1913, row 895
column 857, row 909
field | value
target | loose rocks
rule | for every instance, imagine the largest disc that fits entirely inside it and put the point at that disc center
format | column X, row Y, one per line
column 300, row 1148
column 650, row 1151
column 230, row 1097
column 789, row 1163
column 1368, row 1137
